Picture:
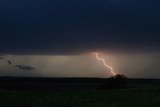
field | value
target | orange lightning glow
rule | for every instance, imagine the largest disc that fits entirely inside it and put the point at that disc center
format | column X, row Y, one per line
column 104, row 63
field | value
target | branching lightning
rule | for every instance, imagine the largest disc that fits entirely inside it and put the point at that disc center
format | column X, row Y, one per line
column 104, row 63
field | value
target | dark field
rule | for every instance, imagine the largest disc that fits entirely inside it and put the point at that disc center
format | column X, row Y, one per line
column 77, row 92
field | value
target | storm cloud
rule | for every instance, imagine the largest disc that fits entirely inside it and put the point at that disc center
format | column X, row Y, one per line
column 74, row 27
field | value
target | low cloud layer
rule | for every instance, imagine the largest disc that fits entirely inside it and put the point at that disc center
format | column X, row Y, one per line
column 24, row 67
column 21, row 67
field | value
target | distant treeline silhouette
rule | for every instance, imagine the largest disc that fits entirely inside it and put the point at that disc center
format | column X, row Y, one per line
column 115, row 82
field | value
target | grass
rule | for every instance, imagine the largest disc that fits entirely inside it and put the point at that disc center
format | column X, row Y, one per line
column 109, row 98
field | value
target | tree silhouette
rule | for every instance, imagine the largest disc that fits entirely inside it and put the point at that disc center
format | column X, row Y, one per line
column 115, row 82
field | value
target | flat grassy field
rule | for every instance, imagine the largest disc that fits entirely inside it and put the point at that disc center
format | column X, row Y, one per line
column 145, row 97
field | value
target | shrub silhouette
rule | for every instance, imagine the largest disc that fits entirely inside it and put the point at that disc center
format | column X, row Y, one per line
column 115, row 82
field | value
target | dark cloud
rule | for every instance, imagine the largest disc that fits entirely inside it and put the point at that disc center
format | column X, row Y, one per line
column 24, row 67
column 5, row 59
column 2, row 58
column 71, row 27
column 9, row 62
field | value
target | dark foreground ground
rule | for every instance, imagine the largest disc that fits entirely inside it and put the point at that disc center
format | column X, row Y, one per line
column 108, row 98
column 73, row 92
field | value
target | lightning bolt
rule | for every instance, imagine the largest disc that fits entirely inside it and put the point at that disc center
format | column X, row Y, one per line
column 104, row 63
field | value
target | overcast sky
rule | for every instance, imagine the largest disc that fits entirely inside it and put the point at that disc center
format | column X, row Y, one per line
column 57, row 37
